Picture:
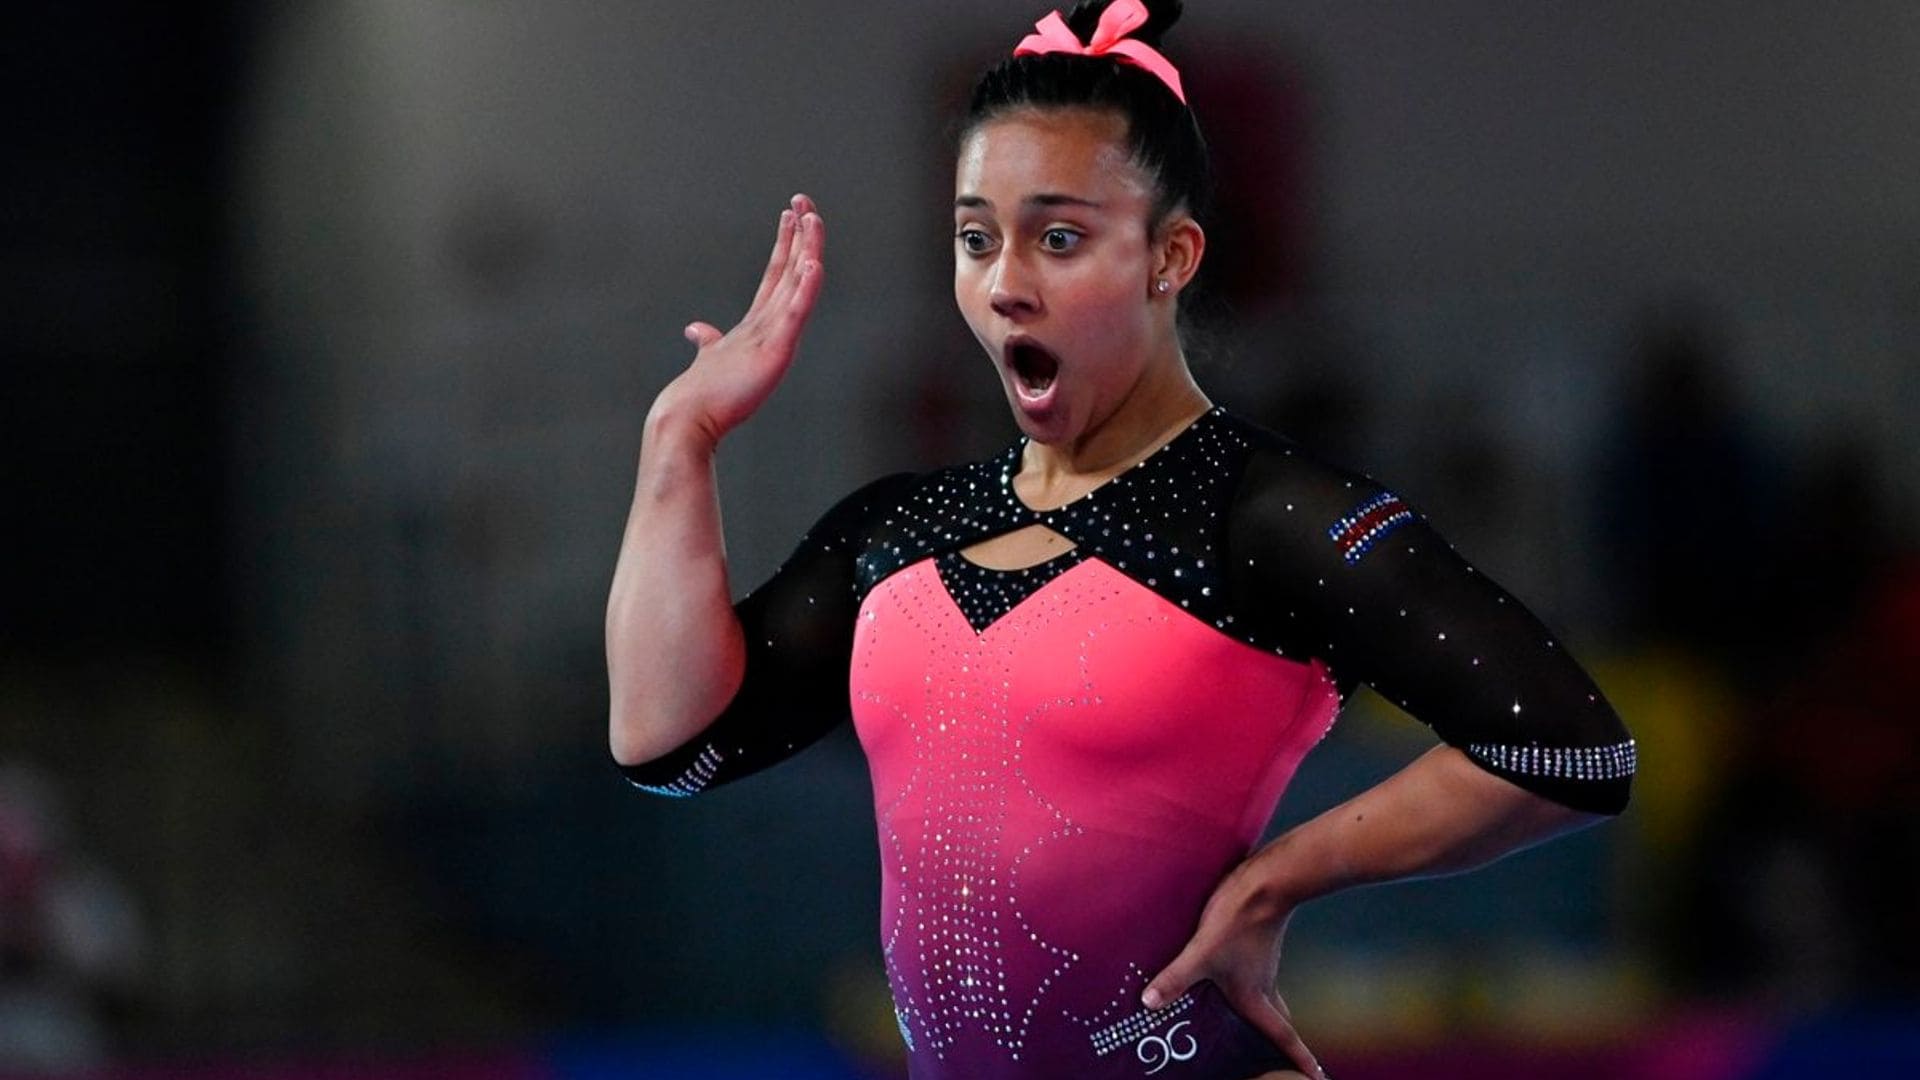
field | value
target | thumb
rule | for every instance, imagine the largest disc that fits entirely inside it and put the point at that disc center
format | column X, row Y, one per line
column 702, row 334
column 1175, row 979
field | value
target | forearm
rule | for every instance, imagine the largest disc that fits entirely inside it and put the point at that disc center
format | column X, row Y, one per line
column 1440, row 815
column 674, row 649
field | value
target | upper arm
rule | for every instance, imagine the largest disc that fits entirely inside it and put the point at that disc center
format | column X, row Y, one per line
column 798, row 633
column 1367, row 584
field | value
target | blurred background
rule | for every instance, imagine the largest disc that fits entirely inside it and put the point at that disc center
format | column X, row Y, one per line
column 328, row 329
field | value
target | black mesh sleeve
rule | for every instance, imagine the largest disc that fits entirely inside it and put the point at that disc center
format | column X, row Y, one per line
column 1360, row 579
column 799, row 639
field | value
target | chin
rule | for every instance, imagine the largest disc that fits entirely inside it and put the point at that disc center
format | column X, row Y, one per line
column 1050, row 424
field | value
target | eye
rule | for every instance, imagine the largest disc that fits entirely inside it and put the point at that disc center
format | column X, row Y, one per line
column 1060, row 240
column 975, row 241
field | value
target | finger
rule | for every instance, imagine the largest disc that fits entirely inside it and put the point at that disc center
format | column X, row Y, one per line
column 777, row 261
column 701, row 334
column 800, row 305
column 781, row 331
column 814, row 244
column 1175, row 979
column 808, row 243
column 1270, row 1018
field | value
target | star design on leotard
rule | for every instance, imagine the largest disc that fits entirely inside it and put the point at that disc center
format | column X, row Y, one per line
column 958, row 927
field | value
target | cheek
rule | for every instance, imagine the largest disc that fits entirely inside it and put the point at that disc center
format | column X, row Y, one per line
column 970, row 296
column 973, row 297
column 964, row 281
column 1112, row 303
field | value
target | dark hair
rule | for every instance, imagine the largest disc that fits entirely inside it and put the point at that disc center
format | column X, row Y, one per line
column 1162, row 134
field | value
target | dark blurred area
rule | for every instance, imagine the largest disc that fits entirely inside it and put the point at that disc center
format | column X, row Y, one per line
column 115, row 223
column 327, row 335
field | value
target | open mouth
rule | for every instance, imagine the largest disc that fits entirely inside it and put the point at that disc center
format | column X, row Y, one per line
column 1033, row 367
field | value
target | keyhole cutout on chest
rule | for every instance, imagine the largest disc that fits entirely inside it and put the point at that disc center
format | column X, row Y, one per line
column 1019, row 549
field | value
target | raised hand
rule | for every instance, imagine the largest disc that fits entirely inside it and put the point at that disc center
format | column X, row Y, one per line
column 1237, row 948
column 734, row 372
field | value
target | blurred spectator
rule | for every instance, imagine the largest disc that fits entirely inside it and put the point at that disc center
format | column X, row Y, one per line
column 1809, row 868
column 1834, row 537
column 70, row 939
column 1686, row 493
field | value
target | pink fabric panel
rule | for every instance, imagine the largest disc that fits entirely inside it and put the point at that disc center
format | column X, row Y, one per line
column 1057, row 796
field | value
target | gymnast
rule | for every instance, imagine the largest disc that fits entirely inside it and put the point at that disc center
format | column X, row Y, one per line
column 1083, row 670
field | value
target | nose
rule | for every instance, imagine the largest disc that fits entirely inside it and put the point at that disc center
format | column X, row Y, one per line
column 1012, row 293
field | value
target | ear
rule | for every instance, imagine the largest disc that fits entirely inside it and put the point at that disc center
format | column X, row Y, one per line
column 1177, row 250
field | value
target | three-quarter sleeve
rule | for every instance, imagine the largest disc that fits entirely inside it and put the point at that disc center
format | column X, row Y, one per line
column 1360, row 579
column 798, row 628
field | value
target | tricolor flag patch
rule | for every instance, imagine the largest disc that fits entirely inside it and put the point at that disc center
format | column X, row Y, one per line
column 1367, row 523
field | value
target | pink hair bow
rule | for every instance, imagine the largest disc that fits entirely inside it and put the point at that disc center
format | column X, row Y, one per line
column 1121, row 18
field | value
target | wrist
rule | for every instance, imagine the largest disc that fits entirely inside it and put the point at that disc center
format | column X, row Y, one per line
column 675, row 426
column 677, row 447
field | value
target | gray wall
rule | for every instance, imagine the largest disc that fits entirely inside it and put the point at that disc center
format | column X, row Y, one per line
column 471, row 233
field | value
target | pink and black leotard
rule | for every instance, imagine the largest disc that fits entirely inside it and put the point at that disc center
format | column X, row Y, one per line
column 1066, row 759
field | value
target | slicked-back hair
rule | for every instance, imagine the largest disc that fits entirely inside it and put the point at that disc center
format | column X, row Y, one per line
column 1162, row 136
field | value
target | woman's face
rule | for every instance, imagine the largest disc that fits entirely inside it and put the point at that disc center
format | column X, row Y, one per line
column 1052, row 265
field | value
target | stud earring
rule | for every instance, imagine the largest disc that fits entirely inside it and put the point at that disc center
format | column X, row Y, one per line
column 1162, row 286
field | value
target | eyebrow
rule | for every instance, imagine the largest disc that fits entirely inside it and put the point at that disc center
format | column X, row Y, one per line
column 1043, row 199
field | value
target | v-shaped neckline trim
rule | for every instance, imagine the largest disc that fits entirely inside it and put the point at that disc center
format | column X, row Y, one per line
column 1011, row 461
column 963, row 581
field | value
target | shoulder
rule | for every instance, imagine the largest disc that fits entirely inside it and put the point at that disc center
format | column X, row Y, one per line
column 877, row 495
column 1289, row 493
column 903, row 517
column 866, row 500
column 940, row 500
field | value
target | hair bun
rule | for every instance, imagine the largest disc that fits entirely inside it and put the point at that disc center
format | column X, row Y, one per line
column 1161, row 15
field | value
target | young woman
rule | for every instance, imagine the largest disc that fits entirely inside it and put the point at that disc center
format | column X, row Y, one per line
column 1084, row 670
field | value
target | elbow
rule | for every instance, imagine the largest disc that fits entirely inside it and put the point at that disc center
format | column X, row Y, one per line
column 633, row 739
column 1613, row 776
column 658, row 765
column 1621, row 799
column 653, row 711
column 639, row 723
column 641, row 730
column 1597, row 800
column 1592, row 801
column 626, row 746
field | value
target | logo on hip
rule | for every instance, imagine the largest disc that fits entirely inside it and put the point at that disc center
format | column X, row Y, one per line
column 1159, row 1051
